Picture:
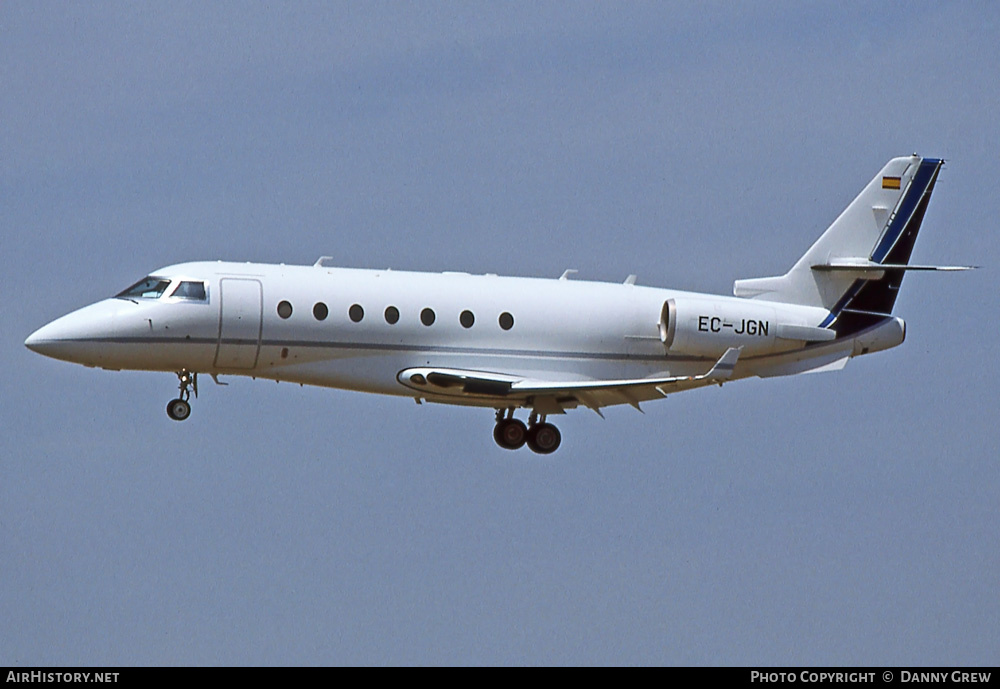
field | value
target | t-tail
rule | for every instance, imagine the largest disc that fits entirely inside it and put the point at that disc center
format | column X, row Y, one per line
column 855, row 269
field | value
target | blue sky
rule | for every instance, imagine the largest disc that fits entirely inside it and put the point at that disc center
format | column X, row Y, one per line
column 842, row 518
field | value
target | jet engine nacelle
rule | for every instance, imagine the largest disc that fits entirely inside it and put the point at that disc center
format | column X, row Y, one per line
column 706, row 327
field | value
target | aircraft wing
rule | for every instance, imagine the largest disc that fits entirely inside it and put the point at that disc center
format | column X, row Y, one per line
column 555, row 396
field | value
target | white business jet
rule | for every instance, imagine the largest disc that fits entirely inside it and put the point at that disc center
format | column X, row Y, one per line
column 508, row 343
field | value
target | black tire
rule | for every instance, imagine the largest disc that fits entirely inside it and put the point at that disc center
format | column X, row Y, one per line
column 544, row 439
column 510, row 434
column 178, row 409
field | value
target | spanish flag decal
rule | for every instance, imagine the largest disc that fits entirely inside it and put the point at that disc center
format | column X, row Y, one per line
column 890, row 182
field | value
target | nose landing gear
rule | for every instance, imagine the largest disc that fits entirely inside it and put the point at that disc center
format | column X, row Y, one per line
column 511, row 434
column 179, row 409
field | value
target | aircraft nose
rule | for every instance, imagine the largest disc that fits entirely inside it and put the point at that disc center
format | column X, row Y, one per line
column 38, row 340
column 55, row 339
column 76, row 337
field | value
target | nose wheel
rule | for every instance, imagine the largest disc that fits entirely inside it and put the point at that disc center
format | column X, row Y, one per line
column 511, row 434
column 179, row 409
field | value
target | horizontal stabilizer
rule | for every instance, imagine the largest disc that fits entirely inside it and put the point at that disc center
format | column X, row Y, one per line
column 864, row 266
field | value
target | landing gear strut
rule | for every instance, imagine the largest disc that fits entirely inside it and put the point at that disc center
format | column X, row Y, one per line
column 511, row 434
column 180, row 408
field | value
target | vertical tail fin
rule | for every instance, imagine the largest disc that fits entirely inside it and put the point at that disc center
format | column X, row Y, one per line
column 855, row 268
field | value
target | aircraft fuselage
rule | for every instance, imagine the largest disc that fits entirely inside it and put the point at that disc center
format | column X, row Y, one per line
column 508, row 343
column 356, row 329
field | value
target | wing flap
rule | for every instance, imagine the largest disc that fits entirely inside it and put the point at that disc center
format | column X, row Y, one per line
column 503, row 387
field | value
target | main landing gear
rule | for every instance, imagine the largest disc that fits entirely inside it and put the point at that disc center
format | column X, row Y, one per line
column 180, row 408
column 512, row 434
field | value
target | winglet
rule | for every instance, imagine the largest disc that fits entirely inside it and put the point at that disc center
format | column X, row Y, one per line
column 723, row 368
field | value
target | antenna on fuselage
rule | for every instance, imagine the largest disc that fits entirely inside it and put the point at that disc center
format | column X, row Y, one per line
column 319, row 261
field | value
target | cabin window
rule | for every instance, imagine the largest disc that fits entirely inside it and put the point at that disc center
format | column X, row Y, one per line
column 427, row 317
column 190, row 290
column 320, row 311
column 147, row 288
column 506, row 321
column 356, row 313
column 466, row 318
column 391, row 315
column 284, row 309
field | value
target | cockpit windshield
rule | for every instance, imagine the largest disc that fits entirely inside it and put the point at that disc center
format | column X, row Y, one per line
column 189, row 289
column 147, row 288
